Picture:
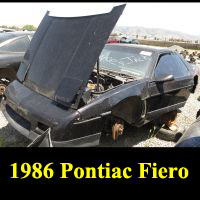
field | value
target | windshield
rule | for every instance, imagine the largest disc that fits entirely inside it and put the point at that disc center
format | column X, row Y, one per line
column 126, row 60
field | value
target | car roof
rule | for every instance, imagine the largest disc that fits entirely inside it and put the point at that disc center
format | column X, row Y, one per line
column 143, row 47
column 16, row 33
column 8, row 35
column 11, row 39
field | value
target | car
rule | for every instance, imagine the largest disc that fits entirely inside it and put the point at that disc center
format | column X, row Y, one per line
column 72, row 89
column 135, row 41
column 2, row 30
column 113, row 39
column 11, row 54
column 129, row 40
column 8, row 35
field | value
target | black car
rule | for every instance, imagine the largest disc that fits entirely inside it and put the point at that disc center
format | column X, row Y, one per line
column 11, row 54
column 8, row 35
column 71, row 89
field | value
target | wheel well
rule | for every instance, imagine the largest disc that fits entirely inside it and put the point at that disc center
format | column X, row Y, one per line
column 129, row 109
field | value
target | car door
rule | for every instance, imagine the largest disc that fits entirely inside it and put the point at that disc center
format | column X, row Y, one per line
column 166, row 96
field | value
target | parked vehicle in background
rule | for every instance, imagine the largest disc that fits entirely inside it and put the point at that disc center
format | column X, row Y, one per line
column 8, row 35
column 11, row 54
column 113, row 39
column 129, row 40
column 2, row 30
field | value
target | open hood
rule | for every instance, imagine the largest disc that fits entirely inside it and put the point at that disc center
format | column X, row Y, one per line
column 63, row 53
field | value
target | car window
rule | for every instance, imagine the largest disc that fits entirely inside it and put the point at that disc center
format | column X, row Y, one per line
column 171, row 64
column 180, row 68
column 18, row 45
column 130, row 61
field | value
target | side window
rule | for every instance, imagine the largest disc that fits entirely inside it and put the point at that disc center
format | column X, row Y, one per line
column 179, row 69
column 18, row 45
column 171, row 64
column 164, row 66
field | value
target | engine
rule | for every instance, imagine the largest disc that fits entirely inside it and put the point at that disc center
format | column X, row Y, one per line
column 96, row 87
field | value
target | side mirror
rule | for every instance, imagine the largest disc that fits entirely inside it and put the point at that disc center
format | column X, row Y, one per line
column 165, row 78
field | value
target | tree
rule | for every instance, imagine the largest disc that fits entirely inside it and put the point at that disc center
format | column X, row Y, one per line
column 29, row 27
column 4, row 26
column 13, row 27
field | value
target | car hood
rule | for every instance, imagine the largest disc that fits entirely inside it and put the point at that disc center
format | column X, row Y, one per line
column 63, row 52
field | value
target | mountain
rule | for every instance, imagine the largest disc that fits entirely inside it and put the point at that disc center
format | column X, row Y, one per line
column 154, row 32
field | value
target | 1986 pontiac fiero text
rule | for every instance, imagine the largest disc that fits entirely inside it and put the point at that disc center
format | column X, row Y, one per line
column 103, row 171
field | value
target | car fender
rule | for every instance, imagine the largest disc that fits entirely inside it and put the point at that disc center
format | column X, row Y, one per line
column 130, row 96
column 129, row 109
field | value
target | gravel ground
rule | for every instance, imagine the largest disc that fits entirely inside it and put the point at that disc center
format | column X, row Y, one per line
column 137, row 137
column 9, row 137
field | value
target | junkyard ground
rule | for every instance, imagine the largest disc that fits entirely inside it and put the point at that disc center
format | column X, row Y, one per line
column 137, row 137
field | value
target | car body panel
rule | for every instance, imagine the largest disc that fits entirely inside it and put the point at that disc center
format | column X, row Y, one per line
column 168, row 94
column 8, row 58
column 11, row 55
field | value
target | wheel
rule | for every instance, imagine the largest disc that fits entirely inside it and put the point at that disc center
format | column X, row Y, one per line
column 2, row 88
column 117, row 128
column 113, row 133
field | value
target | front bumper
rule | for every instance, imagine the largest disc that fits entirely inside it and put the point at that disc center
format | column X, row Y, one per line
column 22, row 127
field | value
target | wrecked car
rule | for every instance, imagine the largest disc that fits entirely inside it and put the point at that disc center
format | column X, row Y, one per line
column 72, row 89
column 11, row 55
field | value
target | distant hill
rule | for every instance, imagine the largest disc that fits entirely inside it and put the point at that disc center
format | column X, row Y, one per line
column 154, row 32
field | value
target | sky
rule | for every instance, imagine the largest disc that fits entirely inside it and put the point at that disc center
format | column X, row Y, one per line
column 183, row 17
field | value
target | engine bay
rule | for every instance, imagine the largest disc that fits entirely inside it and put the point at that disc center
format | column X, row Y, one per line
column 98, row 84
